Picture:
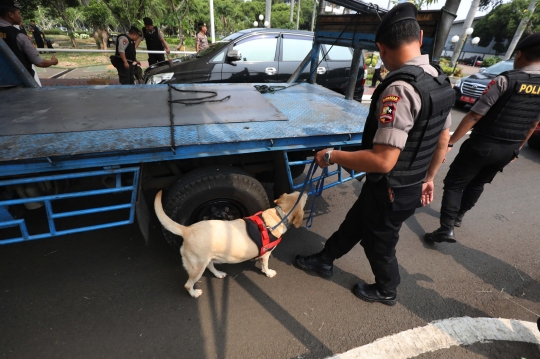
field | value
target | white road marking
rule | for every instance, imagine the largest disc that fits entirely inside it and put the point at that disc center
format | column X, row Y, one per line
column 442, row 334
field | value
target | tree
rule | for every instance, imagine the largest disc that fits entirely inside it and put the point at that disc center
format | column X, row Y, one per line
column 463, row 36
column 527, row 17
column 501, row 23
column 97, row 14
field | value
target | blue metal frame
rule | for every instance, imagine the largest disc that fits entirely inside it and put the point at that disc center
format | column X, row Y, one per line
column 7, row 221
column 314, row 180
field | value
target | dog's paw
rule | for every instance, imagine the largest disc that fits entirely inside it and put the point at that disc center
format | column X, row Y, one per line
column 195, row 293
column 270, row 273
column 220, row 275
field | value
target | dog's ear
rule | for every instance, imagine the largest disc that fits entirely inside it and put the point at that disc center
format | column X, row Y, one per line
column 279, row 201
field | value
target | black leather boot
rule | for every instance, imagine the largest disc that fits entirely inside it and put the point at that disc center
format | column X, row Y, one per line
column 321, row 263
column 370, row 293
column 459, row 218
column 443, row 234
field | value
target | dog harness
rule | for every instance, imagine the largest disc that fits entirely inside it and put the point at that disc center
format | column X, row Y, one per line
column 259, row 233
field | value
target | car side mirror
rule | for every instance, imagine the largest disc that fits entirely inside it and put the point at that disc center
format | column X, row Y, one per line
column 482, row 69
column 234, row 55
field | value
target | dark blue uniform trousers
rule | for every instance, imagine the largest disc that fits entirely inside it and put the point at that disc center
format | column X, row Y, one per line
column 375, row 221
column 479, row 159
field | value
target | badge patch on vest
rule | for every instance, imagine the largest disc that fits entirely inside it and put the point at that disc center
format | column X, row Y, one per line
column 528, row 89
column 388, row 111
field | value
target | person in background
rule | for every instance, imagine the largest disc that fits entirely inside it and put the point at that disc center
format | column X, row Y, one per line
column 39, row 37
column 126, row 56
column 502, row 120
column 155, row 41
column 201, row 40
column 377, row 74
column 17, row 40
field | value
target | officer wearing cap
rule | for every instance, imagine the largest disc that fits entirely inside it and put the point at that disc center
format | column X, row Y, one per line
column 17, row 40
column 502, row 120
column 202, row 40
column 404, row 142
column 154, row 41
column 125, row 58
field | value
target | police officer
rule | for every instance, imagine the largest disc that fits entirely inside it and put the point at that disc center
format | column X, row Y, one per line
column 404, row 143
column 502, row 120
column 39, row 36
column 154, row 41
column 17, row 40
column 125, row 51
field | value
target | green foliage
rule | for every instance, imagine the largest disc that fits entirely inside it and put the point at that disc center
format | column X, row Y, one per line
column 449, row 69
column 490, row 61
column 502, row 22
column 97, row 13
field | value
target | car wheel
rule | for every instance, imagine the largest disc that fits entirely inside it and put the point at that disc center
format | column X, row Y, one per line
column 224, row 193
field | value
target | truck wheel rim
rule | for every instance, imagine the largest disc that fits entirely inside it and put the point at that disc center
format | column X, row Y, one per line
column 220, row 209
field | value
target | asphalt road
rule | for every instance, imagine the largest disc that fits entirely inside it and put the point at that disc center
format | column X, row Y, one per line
column 105, row 294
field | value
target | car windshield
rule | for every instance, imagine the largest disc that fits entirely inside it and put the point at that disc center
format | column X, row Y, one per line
column 212, row 48
column 500, row 67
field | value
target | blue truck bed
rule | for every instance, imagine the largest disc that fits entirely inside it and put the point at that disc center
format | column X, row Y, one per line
column 314, row 117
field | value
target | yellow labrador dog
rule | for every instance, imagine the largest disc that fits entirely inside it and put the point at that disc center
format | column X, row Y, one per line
column 215, row 241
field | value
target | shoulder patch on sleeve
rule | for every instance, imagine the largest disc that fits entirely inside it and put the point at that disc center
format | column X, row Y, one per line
column 388, row 111
column 488, row 86
column 125, row 41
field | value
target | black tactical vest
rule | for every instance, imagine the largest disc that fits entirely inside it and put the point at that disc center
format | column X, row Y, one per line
column 153, row 41
column 130, row 49
column 437, row 97
column 9, row 35
column 515, row 110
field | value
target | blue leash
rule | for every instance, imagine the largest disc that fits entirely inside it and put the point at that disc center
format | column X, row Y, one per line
column 318, row 191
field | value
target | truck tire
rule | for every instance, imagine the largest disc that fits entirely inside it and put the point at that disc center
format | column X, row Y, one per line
column 225, row 193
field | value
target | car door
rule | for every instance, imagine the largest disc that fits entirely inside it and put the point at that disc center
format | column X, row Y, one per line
column 259, row 60
column 293, row 50
column 338, row 60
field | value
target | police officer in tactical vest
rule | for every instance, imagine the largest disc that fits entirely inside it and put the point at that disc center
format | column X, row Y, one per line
column 154, row 41
column 126, row 57
column 404, row 143
column 17, row 40
column 502, row 120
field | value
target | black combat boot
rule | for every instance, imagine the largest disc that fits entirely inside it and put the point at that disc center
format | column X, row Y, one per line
column 443, row 234
column 370, row 293
column 459, row 218
column 321, row 263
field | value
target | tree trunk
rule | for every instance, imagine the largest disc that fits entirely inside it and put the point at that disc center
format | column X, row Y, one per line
column 95, row 35
column 291, row 14
column 298, row 16
column 520, row 30
column 467, row 24
column 104, row 38
column 313, row 15
column 447, row 19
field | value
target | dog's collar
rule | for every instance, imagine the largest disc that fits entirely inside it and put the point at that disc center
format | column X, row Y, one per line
column 283, row 216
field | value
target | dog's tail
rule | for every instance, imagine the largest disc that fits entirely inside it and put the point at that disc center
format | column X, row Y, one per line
column 168, row 223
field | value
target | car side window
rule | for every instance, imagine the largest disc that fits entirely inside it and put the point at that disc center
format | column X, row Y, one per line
column 295, row 48
column 339, row 53
column 218, row 58
column 258, row 48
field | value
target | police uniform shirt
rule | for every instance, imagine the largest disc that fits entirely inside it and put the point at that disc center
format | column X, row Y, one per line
column 123, row 43
column 202, row 40
column 25, row 45
column 399, row 106
column 497, row 87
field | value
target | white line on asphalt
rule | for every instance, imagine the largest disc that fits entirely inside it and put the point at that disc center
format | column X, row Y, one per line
column 442, row 334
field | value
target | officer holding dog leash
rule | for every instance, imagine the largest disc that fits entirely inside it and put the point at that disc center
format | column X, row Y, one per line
column 125, row 58
column 504, row 118
column 404, row 143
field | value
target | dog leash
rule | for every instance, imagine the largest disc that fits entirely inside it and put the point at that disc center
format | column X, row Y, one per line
column 318, row 191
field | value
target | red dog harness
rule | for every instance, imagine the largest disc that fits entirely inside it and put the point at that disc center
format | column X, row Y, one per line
column 259, row 233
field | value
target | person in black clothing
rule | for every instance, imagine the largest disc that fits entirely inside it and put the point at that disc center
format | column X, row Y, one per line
column 154, row 41
column 17, row 40
column 39, row 36
column 502, row 120
column 404, row 143
column 125, row 58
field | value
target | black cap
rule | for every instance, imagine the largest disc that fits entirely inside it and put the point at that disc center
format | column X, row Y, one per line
column 201, row 24
column 532, row 40
column 147, row 21
column 10, row 4
column 400, row 12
